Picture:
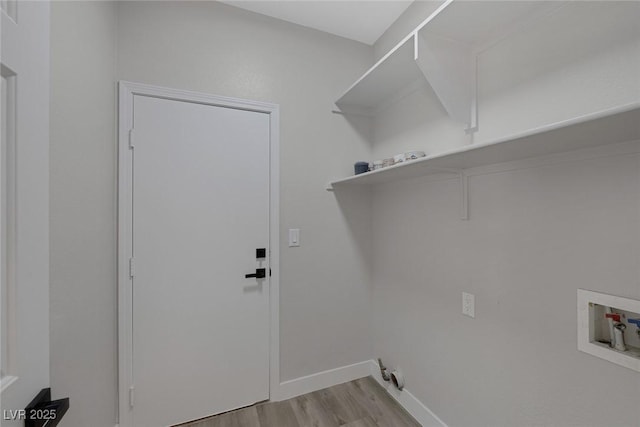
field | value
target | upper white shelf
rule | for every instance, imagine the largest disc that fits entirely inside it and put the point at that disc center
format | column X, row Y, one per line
column 612, row 126
column 388, row 77
column 441, row 51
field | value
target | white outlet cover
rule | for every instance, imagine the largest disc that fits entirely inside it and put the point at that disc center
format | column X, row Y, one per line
column 469, row 305
column 294, row 237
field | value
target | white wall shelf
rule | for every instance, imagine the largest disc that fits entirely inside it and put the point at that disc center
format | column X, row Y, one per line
column 611, row 126
column 388, row 78
column 442, row 52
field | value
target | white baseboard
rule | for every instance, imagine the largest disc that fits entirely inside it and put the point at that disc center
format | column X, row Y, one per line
column 408, row 401
column 320, row 380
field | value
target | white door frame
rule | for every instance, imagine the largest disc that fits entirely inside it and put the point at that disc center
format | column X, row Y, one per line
column 25, row 45
column 127, row 91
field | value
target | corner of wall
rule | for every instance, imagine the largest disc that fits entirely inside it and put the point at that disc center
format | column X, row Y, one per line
column 407, row 400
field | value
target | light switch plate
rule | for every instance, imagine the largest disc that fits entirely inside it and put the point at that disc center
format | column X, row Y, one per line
column 469, row 305
column 294, row 237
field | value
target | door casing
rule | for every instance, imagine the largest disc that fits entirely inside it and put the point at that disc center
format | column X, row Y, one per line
column 127, row 91
column 25, row 54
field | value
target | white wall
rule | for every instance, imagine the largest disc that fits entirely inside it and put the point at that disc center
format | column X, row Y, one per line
column 418, row 121
column 82, row 210
column 417, row 12
column 535, row 235
column 583, row 57
column 215, row 48
column 219, row 49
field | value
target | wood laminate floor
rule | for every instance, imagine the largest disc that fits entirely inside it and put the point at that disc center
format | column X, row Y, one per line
column 359, row 403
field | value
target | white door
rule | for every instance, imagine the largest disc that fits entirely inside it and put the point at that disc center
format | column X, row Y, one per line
column 24, row 213
column 200, row 212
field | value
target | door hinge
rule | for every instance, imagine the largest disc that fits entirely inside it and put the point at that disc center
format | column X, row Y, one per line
column 131, row 392
column 132, row 268
column 131, row 146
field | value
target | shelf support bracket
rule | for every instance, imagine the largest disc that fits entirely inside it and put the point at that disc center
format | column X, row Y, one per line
column 464, row 191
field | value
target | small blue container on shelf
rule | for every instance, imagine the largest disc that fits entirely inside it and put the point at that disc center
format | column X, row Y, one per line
column 361, row 167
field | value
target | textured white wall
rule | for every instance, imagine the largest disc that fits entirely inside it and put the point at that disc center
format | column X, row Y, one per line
column 534, row 237
column 82, row 210
column 215, row 48
column 584, row 57
column 410, row 19
column 580, row 58
column 418, row 121
column 219, row 49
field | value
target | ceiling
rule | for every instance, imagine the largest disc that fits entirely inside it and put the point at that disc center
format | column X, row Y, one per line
column 361, row 20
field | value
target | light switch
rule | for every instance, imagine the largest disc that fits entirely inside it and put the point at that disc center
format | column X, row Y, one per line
column 468, row 305
column 294, row 237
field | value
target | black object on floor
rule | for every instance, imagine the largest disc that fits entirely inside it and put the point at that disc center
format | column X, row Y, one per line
column 42, row 411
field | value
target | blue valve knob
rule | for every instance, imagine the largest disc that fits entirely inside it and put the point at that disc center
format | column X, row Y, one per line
column 635, row 322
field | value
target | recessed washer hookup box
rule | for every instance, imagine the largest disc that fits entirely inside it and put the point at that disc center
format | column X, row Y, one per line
column 609, row 328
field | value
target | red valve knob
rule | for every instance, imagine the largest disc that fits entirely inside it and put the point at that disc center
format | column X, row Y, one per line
column 614, row 316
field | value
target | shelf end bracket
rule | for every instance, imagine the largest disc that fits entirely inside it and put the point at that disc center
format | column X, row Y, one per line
column 464, row 192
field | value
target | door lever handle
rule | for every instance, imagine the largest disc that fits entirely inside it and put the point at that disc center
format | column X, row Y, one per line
column 260, row 273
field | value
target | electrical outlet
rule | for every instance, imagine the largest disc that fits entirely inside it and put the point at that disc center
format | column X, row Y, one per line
column 468, row 305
